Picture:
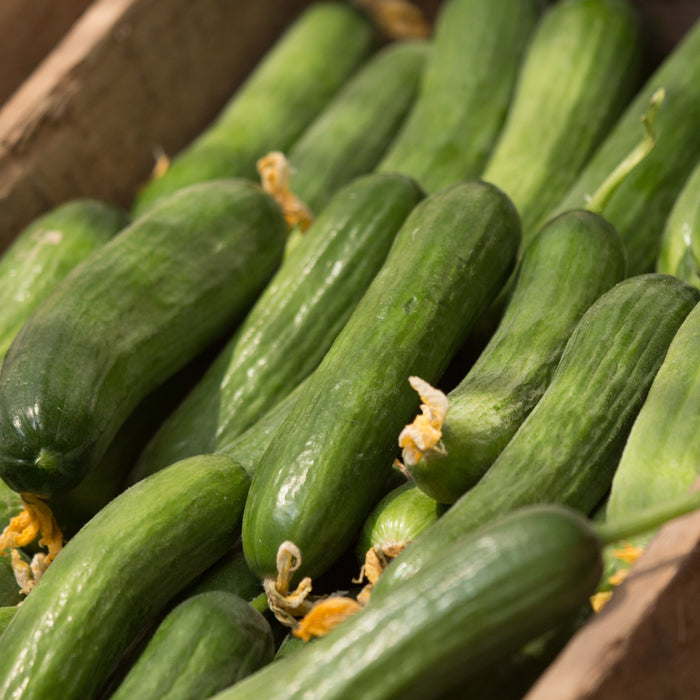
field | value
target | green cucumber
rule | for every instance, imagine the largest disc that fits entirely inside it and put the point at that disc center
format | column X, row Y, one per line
column 486, row 596
column 293, row 323
column 124, row 321
column 231, row 575
column 327, row 464
column 7, row 612
column 660, row 459
column 286, row 91
column 568, row 447
column 679, row 253
column 350, row 135
column 45, row 252
column 641, row 205
column 581, row 68
column 204, row 644
column 114, row 579
column 9, row 590
column 574, row 259
column 451, row 129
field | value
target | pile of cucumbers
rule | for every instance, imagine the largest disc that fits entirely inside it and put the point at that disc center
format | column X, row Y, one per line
column 469, row 372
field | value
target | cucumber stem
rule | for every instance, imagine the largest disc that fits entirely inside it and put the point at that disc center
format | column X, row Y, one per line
column 600, row 198
column 649, row 519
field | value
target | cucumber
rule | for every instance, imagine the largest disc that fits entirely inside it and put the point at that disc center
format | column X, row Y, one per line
column 581, row 68
column 451, row 129
column 286, row 91
column 45, row 252
column 231, row 575
column 203, row 645
column 568, row 447
column 660, row 459
column 124, row 321
column 641, row 205
column 574, row 259
column 114, row 579
column 486, row 596
column 350, row 135
column 679, row 253
column 293, row 323
column 327, row 464
column 7, row 612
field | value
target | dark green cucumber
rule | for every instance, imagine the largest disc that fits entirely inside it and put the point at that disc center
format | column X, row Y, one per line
column 294, row 321
column 281, row 97
column 642, row 203
column 45, row 252
column 231, row 575
column 568, row 447
column 205, row 644
column 114, row 579
column 398, row 518
column 7, row 612
column 485, row 597
column 581, row 68
column 124, row 321
column 327, row 464
column 451, row 129
column 574, row 259
column 679, row 253
column 661, row 457
column 9, row 590
column 350, row 135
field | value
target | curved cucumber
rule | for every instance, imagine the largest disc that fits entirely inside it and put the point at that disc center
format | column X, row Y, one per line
column 293, row 323
column 568, row 447
column 574, row 259
column 350, row 135
column 45, row 252
column 116, row 576
column 124, row 321
column 451, row 129
column 291, row 85
column 679, row 253
column 641, row 204
column 327, row 464
column 581, row 68
column 479, row 602
column 205, row 644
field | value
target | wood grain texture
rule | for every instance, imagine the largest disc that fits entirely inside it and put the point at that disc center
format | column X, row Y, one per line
column 131, row 76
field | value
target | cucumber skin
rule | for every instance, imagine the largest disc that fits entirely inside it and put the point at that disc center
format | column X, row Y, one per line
column 573, row 260
column 641, row 204
column 582, row 67
column 326, row 466
column 481, row 601
column 680, row 245
column 351, row 134
column 293, row 323
column 122, row 323
column 567, row 449
column 450, row 131
column 205, row 644
column 290, row 86
column 116, row 576
column 45, row 252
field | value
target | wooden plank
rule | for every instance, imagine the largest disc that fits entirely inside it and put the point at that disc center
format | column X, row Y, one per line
column 28, row 31
column 645, row 642
column 130, row 77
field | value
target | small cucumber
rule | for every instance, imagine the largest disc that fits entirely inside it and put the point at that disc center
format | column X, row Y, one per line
column 581, row 68
column 641, row 205
column 114, row 579
column 124, row 321
column 205, row 644
column 568, row 447
column 327, row 464
column 350, row 135
column 451, row 129
column 230, row 574
column 574, row 259
column 294, row 321
column 45, row 252
column 7, row 612
column 679, row 253
column 286, row 91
